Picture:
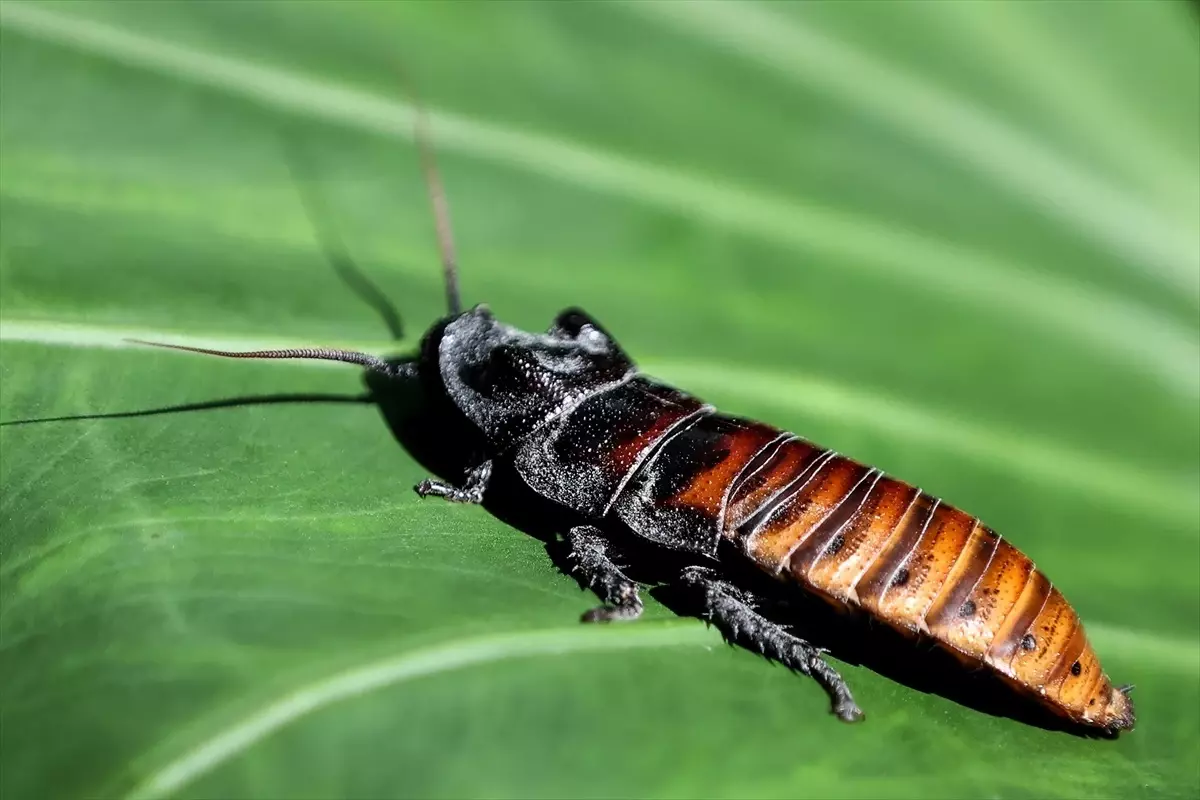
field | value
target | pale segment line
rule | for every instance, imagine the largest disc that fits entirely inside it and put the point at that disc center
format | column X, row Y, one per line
column 1164, row 495
column 1166, row 351
column 1004, row 155
column 232, row 741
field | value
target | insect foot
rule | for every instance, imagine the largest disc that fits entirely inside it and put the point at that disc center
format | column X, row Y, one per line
column 591, row 562
column 471, row 492
column 730, row 610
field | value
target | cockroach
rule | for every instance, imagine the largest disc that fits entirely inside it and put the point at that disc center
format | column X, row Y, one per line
column 628, row 456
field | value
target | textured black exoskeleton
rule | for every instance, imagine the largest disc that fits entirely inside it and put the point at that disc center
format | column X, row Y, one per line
column 631, row 460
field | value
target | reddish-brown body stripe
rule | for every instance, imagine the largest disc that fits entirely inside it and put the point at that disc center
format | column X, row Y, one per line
column 1010, row 635
column 928, row 566
column 953, row 604
column 877, row 524
column 832, row 527
column 793, row 519
column 1051, row 630
column 752, row 473
column 1071, row 653
column 789, row 462
column 887, row 566
column 1081, row 690
column 708, row 488
column 994, row 596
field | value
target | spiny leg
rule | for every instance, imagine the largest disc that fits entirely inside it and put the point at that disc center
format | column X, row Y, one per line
column 590, row 559
column 730, row 609
column 471, row 492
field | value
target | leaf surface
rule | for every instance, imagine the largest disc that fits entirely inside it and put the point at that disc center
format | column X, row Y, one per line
column 958, row 241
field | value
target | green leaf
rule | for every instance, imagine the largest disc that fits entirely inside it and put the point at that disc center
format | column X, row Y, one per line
column 959, row 241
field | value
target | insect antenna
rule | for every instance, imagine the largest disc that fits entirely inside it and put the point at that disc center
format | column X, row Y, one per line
column 373, row 363
column 437, row 199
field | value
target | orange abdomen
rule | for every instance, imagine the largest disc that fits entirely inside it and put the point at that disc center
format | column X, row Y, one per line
column 868, row 541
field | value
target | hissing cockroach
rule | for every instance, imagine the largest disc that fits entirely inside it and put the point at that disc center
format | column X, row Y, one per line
column 629, row 456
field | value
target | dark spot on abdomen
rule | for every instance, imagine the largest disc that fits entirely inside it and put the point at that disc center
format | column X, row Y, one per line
column 967, row 609
column 901, row 577
column 1076, row 668
column 1028, row 642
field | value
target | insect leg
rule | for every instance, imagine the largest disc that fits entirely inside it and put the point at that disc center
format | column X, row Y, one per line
column 471, row 491
column 731, row 610
column 590, row 559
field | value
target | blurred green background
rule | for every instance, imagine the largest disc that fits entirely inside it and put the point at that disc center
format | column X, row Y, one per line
column 958, row 240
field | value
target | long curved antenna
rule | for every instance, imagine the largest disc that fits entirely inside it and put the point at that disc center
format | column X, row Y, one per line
column 437, row 199
column 373, row 363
